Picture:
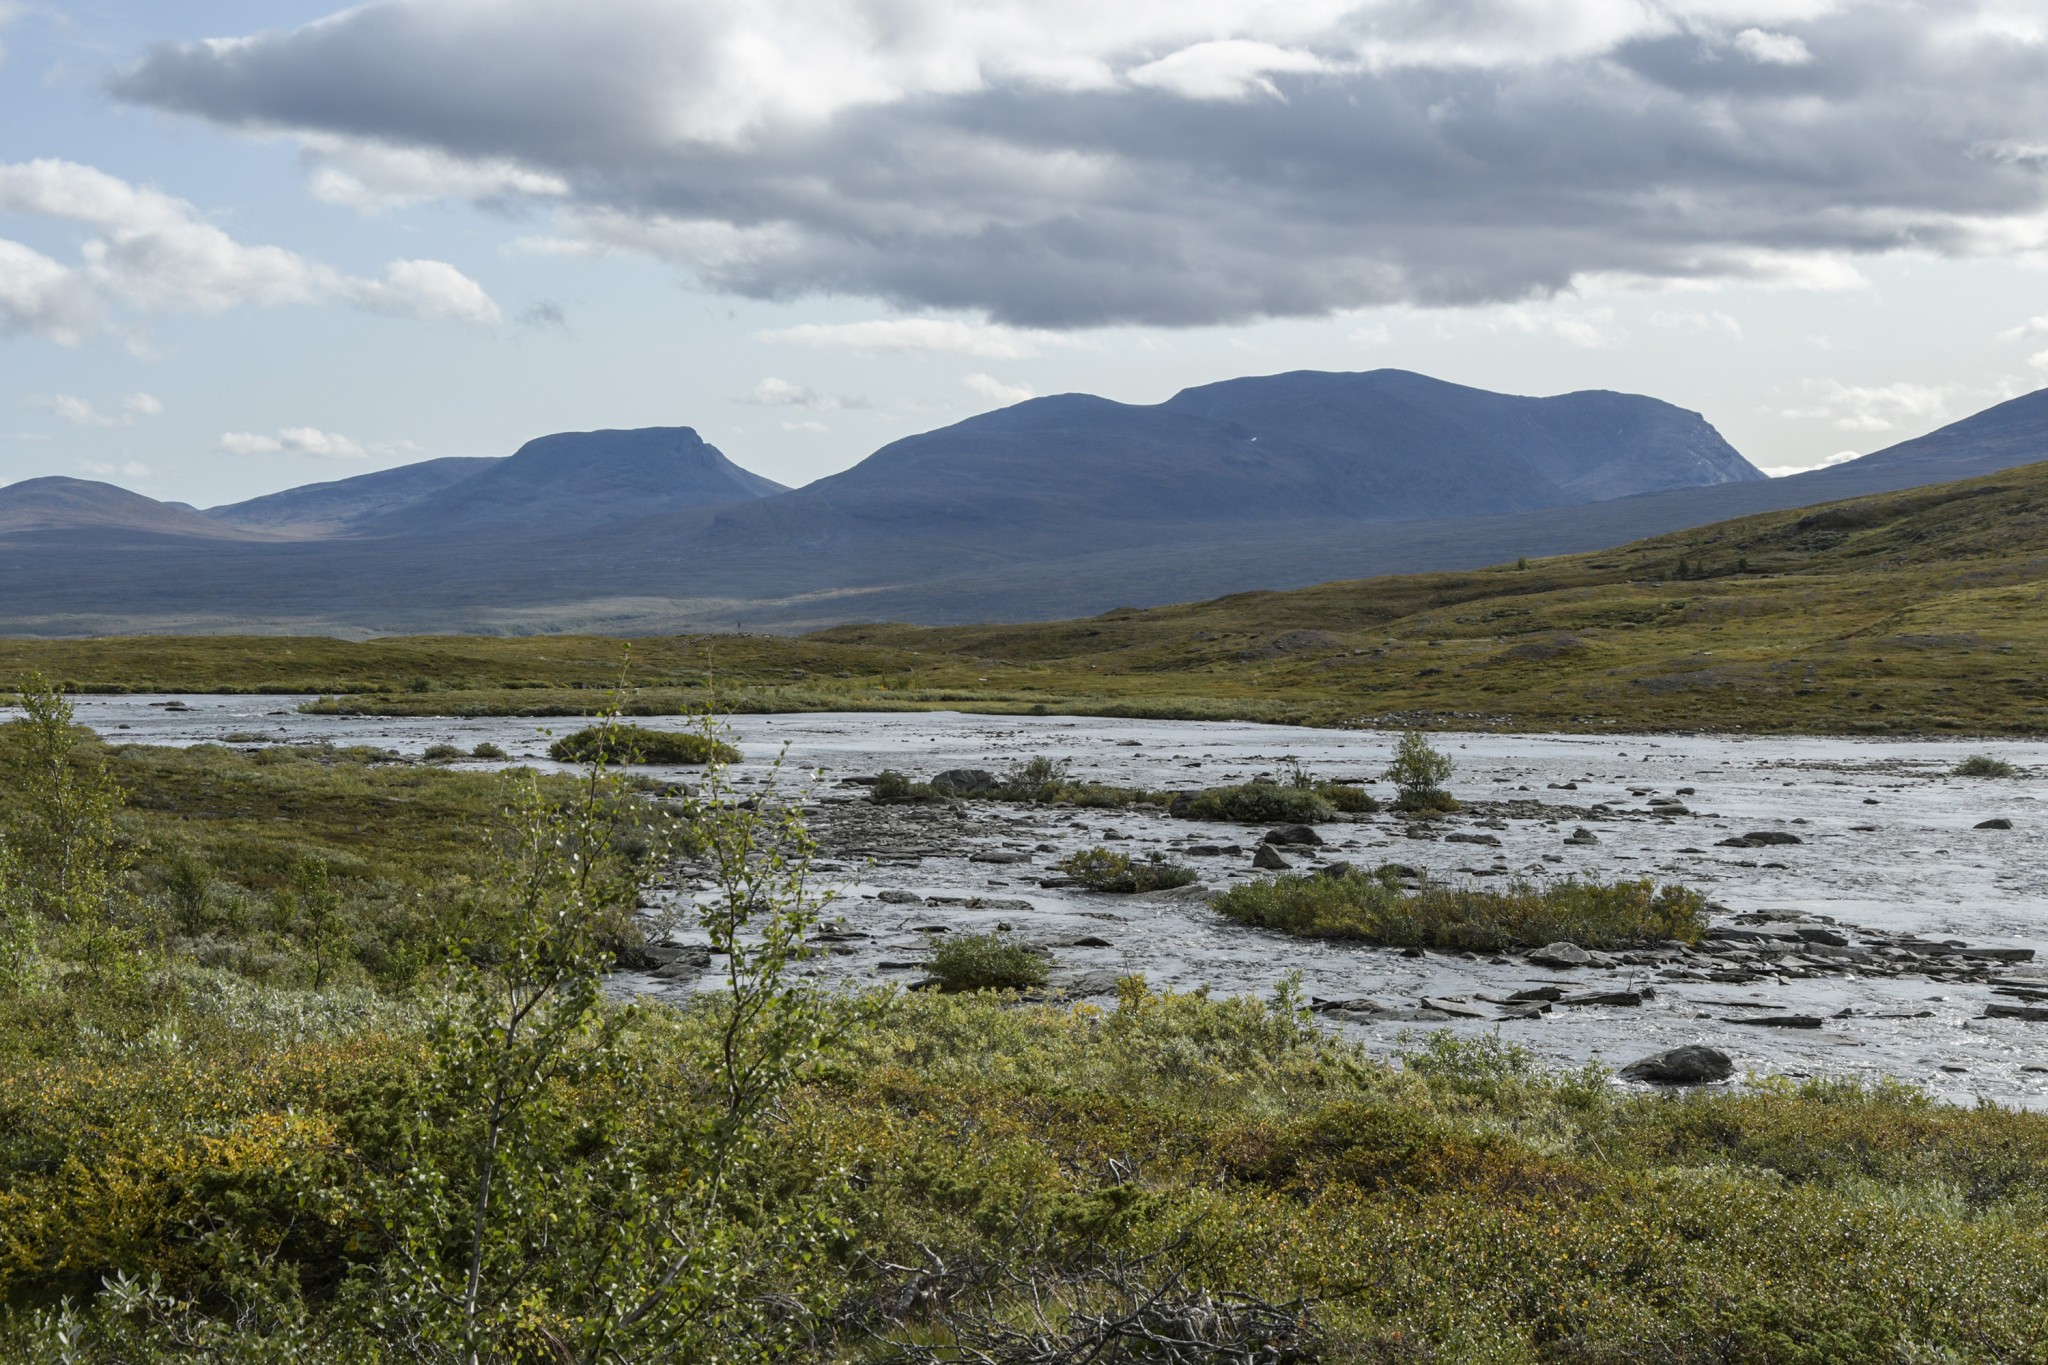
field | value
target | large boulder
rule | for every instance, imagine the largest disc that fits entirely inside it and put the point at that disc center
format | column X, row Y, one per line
column 1690, row 1065
column 1268, row 858
column 1562, row 956
column 1294, row 836
column 965, row 782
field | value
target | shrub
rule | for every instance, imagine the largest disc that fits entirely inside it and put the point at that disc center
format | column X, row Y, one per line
column 1257, row 803
column 638, row 744
column 441, row 753
column 986, row 962
column 1983, row 765
column 1100, row 870
column 487, row 750
column 1348, row 797
column 1373, row 909
column 1420, row 773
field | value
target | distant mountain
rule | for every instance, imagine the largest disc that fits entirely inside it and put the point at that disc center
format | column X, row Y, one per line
column 1053, row 508
column 58, row 504
column 579, row 478
column 340, row 507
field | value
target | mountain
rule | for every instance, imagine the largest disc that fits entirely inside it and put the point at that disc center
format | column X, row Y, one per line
column 342, row 506
column 58, row 504
column 1053, row 508
column 579, row 478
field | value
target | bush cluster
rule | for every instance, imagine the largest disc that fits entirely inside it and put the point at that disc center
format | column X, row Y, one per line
column 985, row 962
column 1983, row 765
column 1098, row 869
column 1372, row 908
column 616, row 743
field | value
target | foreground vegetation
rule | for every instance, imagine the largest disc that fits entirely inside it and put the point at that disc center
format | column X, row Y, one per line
column 1374, row 908
column 372, row 1103
column 1910, row 612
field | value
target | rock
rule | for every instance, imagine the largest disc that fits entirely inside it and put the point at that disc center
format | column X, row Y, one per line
column 1582, row 835
column 1509, row 1012
column 1077, row 941
column 901, row 898
column 1400, row 871
column 1337, row 871
column 1486, row 839
column 1452, row 1009
column 1826, row 936
column 965, row 782
column 1083, row 984
column 1300, row 836
column 1544, row 993
column 1691, row 1065
column 2032, row 1013
column 1268, row 858
column 998, row 855
column 1778, row 1021
column 1354, row 1006
column 1761, row 838
column 1999, row 823
column 1603, row 998
column 1562, row 956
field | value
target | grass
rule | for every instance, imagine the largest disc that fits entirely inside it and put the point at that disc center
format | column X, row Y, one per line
column 1374, row 909
column 1910, row 613
column 1980, row 765
column 630, row 744
column 985, row 962
column 1098, row 869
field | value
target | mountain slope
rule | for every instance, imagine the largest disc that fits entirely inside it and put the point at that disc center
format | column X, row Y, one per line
column 59, row 504
column 341, row 506
column 580, row 478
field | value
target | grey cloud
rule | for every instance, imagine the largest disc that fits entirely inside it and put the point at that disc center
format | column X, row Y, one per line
column 1663, row 153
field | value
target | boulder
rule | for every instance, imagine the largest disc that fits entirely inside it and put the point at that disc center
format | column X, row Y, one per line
column 1486, row 839
column 1582, row 835
column 1999, row 822
column 1691, row 1065
column 1778, row 1021
column 965, row 782
column 1268, row 858
column 998, row 855
column 1300, row 836
column 1562, row 956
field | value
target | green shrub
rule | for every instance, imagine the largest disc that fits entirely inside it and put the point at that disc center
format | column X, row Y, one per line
column 1983, row 765
column 1348, row 797
column 1100, row 870
column 638, row 744
column 487, row 750
column 897, row 789
column 1372, row 908
column 441, row 753
column 986, row 962
column 1419, row 772
column 1256, row 803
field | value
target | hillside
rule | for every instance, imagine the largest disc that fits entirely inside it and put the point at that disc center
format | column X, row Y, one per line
column 343, row 505
column 116, row 515
column 1906, row 612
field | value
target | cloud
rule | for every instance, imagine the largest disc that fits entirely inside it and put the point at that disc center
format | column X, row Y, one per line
column 129, row 469
column 326, row 445
column 79, row 413
column 1779, row 471
column 148, row 252
column 990, row 387
column 1697, row 322
column 1588, row 330
column 1875, row 408
column 1772, row 49
column 781, row 393
column 2031, row 328
column 1059, row 164
column 920, row 334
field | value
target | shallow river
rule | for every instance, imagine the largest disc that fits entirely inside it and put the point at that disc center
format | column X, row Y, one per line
column 1888, row 843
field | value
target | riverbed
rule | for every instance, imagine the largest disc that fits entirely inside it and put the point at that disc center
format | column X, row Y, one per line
column 1889, row 846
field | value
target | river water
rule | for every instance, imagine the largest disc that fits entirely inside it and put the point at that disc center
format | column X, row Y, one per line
column 1889, row 843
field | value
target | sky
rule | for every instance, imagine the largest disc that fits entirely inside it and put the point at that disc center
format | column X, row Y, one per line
column 247, row 244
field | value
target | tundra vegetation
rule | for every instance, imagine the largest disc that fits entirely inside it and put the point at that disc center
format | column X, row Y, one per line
column 1905, row 613
column 305, row 1054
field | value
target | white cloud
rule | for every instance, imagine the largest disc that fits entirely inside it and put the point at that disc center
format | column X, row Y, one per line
column 1588, row 330
column 2031, row 328
column 804, row 426
column 153, row 253
column 374, row 178
column 1779, row 471
column 1772, row 49
column 921, row 334
column 773, row 392
column 128, row 469
column 1698, row 322
column 80, row 413
column 1874, row 407
column 326, row 445
column 1228, row 69
column 988, row 386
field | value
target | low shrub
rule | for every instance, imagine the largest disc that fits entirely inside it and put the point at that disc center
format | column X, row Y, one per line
column 1100, row 870
column 1043, row 781
column 487, row 750
column 441, row 753
column 638, row 744
column 1372, row 908
column 1260, row 803
column 986, row 962
column 1348, row 797
column 1419, row 772
column 1983, row 765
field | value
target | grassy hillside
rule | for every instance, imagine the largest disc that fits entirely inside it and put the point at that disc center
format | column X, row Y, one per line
column 1902, row 612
